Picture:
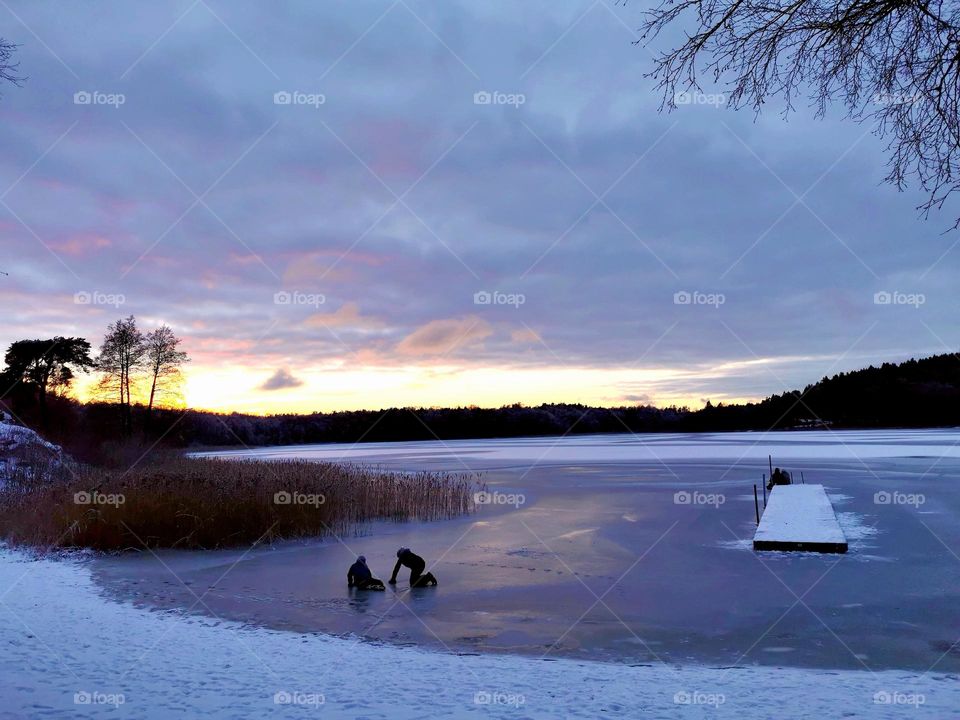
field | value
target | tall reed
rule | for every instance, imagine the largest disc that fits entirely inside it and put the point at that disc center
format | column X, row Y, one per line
column 188, row 502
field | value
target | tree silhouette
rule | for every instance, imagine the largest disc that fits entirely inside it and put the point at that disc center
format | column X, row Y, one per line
column 163, row 361
column 47, row 365
column 122, row 355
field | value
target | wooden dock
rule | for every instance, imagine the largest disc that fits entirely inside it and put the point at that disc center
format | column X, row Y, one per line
column 801, row 518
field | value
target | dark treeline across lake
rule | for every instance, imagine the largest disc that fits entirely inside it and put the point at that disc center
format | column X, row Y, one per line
column 916, row 393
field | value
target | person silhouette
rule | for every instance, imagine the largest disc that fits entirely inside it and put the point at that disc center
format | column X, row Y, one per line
column 360, row 577
column 779, row 477
column 407, row 558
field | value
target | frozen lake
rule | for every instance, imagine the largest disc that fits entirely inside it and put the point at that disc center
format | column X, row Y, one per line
column 613, row 576
column 854, row 445
column 624, row 548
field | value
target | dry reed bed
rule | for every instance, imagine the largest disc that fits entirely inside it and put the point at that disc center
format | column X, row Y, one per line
column 208, row 503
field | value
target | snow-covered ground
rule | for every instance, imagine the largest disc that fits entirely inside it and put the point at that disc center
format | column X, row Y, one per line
column 67, row 653
column 21, row 445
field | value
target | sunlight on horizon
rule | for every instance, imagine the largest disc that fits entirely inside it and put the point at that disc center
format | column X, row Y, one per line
column 372, row 388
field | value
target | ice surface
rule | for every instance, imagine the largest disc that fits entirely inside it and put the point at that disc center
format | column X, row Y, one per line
column 625, row 447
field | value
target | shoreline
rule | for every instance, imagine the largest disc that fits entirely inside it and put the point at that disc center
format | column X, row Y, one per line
column 113, row 650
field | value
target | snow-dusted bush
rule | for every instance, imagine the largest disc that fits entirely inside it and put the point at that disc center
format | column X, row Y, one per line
column 23, row 449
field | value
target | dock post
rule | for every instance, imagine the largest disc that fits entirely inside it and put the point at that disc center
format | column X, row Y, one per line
column 764, row 492
column 756, row 504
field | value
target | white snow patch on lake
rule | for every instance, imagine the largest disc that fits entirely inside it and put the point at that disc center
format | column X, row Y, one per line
column 632, row 448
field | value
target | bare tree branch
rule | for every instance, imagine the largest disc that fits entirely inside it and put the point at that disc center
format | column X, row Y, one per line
column 895, row 62
column 8, row 68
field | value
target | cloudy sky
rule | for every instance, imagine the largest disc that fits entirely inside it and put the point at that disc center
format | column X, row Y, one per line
column 363, row 204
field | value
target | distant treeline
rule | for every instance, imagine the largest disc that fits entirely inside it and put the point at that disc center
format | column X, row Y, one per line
column 205, row 428
column 916, row 393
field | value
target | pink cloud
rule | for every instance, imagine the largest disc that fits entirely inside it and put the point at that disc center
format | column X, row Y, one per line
column 441, row 337
column 525, row 336
column 347, row 315
column 83, row 244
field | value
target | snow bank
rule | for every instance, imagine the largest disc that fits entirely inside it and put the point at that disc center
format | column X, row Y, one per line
column 22, row 446
column 68, row 653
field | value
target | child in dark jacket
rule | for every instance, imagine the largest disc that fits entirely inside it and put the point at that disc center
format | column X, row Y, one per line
column 417, row 565
column 360, row 577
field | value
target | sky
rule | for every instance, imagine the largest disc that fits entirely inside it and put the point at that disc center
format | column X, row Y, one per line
column 343, row 205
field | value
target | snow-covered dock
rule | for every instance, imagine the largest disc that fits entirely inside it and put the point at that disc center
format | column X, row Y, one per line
column 799, row 517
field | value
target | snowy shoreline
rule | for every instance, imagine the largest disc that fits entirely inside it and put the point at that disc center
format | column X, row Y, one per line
column 69, row 652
